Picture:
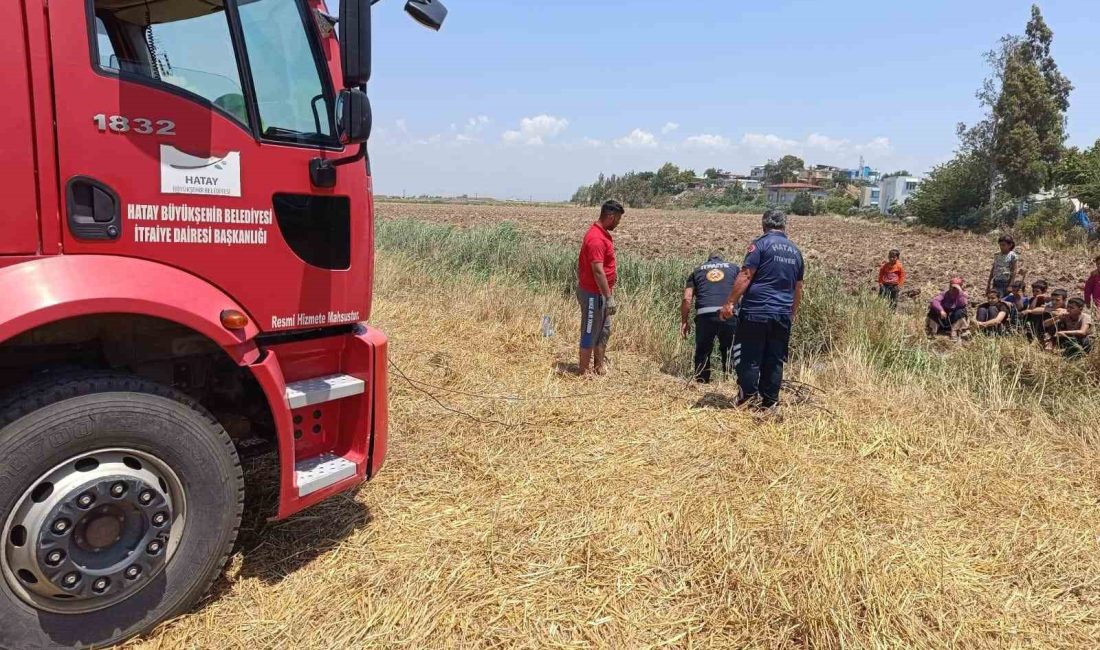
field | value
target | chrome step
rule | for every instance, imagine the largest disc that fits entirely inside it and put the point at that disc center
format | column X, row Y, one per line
column 323, row 389
column 321, row 471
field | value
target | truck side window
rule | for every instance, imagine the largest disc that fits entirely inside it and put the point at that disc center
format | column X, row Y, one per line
column 180, row 43
column 293, row 101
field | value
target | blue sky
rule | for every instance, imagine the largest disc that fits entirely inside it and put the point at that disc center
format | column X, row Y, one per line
column 532, row 98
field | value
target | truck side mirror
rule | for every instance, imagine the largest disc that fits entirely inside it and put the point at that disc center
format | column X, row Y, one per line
column 353, row 116
column 429, row 13
column 355, row 42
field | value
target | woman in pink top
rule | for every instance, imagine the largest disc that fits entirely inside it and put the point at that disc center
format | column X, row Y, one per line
column 1092, row 286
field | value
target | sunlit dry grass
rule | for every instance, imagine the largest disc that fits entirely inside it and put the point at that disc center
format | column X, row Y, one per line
column 640, row 512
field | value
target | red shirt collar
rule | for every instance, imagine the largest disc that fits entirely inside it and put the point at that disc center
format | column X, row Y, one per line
column 606, row 232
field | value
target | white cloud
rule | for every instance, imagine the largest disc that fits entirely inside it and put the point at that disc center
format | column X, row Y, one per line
column 669, row 127
column 767, row 141
column 534, row 131
column 708, row 141
column 463, row 138
column 637, row 139
column 815, row 145
column 477, row 124
column 592, row 142
column 824, row 142
column 402, row 126
column 878, row 145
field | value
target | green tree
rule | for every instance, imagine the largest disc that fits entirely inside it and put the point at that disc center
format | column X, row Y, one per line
column 802, row 204
column 711, row 173
column 785, row 170
column 1029, row 115
column 954, row 194
column 1080, row 172
column 667, row 178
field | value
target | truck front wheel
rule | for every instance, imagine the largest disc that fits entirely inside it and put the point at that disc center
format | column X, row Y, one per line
column 120, row 501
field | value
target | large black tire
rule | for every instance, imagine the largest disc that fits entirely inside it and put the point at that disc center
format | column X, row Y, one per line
column 47, row 423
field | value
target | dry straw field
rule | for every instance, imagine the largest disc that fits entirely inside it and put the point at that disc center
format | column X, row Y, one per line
column 905, row 498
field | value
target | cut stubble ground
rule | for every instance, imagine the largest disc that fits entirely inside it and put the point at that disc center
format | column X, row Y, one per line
column 638, row 511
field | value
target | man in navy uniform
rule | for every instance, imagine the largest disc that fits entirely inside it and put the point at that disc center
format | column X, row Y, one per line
column 769, row 287
column 709, row 285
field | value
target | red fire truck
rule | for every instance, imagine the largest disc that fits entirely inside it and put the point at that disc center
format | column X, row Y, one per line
column 186, row 257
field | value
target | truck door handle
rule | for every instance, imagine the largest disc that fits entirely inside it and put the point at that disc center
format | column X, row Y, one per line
column 94, row 209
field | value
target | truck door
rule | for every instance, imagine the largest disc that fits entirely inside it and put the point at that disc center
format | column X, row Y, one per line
column 19, row 210
column 185, row 134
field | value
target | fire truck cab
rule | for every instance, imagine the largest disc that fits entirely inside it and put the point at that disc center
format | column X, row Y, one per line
column 186, row 261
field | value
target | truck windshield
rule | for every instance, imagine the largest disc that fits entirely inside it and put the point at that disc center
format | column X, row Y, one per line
column 290, row 91
column 188, row 45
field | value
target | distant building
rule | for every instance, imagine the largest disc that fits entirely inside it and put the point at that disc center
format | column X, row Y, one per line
column 818, row 174
column 784, row 193
column 862, row 174
column 896, row 190
column 757, row 173
column 751, row 184
column 869, row 196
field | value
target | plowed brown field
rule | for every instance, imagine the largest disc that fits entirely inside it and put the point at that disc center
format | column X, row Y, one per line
column 852, row 248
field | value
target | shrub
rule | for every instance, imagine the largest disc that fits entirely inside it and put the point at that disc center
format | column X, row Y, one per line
column 953, row 195
column 1047, row 219
column 839, row 205
column 802, row 205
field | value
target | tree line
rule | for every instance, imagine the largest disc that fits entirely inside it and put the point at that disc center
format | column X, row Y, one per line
column 1016, row 150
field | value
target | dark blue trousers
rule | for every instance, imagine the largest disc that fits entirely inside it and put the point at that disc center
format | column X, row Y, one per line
column 709, row 327
column 764, row 341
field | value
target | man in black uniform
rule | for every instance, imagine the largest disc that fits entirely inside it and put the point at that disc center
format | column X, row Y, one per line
column 769, row 287
column 709, row 285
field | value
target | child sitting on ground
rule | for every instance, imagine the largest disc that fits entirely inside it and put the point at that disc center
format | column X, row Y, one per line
column 1003, row 272
column 891, row 277
column 992, row 314
column 1053, row 311
column 1016, row 301
column 1034, row 314
column 1073, row 331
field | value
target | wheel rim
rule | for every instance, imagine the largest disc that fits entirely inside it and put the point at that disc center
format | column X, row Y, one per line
column 93, row 531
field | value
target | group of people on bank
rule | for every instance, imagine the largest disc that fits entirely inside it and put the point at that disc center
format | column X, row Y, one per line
column 749, row 308
column 1050, row 318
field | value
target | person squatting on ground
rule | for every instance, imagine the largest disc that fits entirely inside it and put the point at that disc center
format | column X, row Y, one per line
column 1005, row 265
column 709, row 285
column 947, row 311
column 1072, row 328
column 1034, row 313
column 992, row 315
column 891, row 277
column 769, row 288
column 596, row 282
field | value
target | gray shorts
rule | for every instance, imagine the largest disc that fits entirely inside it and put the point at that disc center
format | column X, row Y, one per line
column 595, row 321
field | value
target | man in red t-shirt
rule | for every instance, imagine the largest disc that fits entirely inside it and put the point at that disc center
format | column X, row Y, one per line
column 596, row 281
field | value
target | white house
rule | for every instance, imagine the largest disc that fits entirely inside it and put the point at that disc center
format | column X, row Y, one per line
column 895, row 190
column 869, row 197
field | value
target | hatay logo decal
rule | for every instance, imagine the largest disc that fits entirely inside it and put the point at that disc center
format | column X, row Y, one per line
column 182, row 173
